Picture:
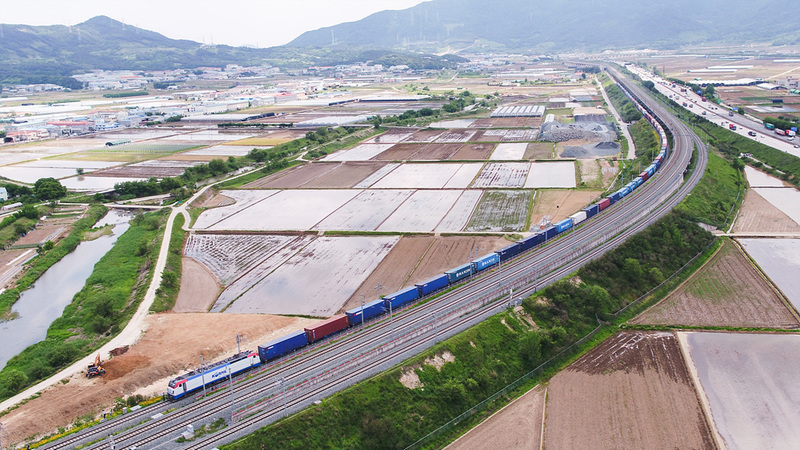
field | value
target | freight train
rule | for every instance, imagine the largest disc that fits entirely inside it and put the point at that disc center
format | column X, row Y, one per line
column 285, row 345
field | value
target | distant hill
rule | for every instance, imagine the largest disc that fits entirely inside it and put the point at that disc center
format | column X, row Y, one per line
column 566, row 25
column 50, row 54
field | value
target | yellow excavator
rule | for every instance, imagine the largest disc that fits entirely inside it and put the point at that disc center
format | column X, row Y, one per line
column 96, row 369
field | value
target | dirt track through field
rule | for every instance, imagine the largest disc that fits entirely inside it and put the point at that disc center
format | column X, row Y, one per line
column 632, row 391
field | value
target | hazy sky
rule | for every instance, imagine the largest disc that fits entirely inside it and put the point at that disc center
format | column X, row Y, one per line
column 264, row 23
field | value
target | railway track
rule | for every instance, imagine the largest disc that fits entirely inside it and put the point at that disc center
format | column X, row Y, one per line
column 333, row 364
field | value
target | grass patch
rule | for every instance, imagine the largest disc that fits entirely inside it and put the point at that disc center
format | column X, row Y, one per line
column 505, row 211
column 268, row 169
column 98, row 312
column 719, row 192
column 167, row 293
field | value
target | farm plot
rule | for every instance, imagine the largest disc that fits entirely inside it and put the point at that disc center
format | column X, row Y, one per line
column 785, row 199
column 523, row 135
column 209, row 135
column 558, row 204
column 506, row 152
column 296, row 178
column 436, row 152
column 491, row 135
column 27, row 174
column 378, row 175
column 422, row 212
column 149, row 169
column 242, row 199
column 539, row 150
column 425, row 136
column 136, row 135
column 455, row 123
column 780, row 261
column 338, row 264
column 229, row 256
column 287, row 210
column 559, row 174
column 399, row 152
column 219, row 150
column 727, row 291
column 456, row 136
column 362, row 152
column 93, row 184
column 479, row 152
column 345, row 175
column 393, row 136
column 758, row 215
column 417, row 258
column 502, row 211
column 632, row 391
column 261, row 182
column 366, row 211
column 518, row 426
column 752, row 385
column 148, row 148
column 459, row 214
column 429, row 176
column 257, row 273
column 757, row 178
column 502, row 175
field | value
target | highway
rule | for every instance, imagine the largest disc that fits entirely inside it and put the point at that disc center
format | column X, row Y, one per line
column 290, row 384
column 721, row 115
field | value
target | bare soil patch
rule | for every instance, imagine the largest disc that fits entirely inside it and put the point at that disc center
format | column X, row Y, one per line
column 759, row 215
column 633, row 391
column 399, row 152
column 539, row 150
column 425, row 136
column 559, row 204
column 727, row 291
column 345, row 175
column 517, row 426
column 590, row 171
column 218, row 200
column 295, row 178
column 478, row 152
column 261, row 182
column 437, row 152
column 199, row 288
column 608, row 171
column 150, row 362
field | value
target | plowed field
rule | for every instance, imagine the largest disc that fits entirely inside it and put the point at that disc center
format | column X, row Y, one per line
column 633, row 391
column 727, row 291
column 759, row 215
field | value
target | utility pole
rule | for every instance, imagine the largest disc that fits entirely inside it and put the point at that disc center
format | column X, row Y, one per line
column 238, row 344
column 202, row 376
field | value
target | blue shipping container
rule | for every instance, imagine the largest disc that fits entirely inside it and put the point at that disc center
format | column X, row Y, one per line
column 615, row 197
column 624, row 191
column 508, row 251
column 637, row 182
column 564, row 225
column 531, row 241
column 282, row 346
column 434, row 284
column 485, row 261
column 459, row 273
column 401, row 297
column 651, row 169
column 371, row 309
column 550, row 233
column 591, row 210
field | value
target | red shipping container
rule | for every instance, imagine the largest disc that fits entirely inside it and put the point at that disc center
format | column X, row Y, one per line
column 644, row 175
column 604, row 203
column 327, row 327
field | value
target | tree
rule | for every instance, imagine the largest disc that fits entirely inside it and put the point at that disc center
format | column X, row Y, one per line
column 49, row 189
column 14, row 381
column 530, row 348
column 649, row 84
column 79, row 171
column 217, row 166
column 29, row 212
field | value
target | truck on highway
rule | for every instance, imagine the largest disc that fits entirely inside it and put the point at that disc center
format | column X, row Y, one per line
column 684, row 104
column 769, row 126
column 780, row 132
column 791, row 133
column 732, row 127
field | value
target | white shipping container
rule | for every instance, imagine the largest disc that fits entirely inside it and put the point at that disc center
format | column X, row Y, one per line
column 578, row 217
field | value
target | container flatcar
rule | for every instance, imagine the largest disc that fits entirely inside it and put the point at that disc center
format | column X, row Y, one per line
column 509, row 251
column 327, row 327
column 531, row 241
column 370, row 310
column 401, row 297
column 459, row 273
column 604, row 203
column 578, row 217
column 564, row 225
column 591, row 210
column 485, row 261
column 550, row 232
column 433, row 284
column 282, row 346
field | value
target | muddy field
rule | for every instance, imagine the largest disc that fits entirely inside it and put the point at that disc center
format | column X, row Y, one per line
column 728, row 291
column 559, row 204
column 517, row 426
column 551, row 174
column 478, row 152
column 502, row 175
column 539, row 150
column 147, row 366
column 632, row 391
column 779, row 259
column 345, row 175
column 752, row 385
column 295, row 178
column 417, row 258
column 508, row 122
